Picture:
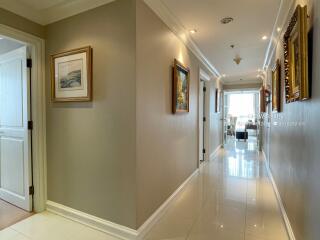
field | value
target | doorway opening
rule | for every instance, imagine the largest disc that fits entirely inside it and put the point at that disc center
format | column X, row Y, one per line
column 16, row 181
column 30, row 195
column 241, row 116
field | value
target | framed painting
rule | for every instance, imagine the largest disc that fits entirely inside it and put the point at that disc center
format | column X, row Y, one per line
column 276, row 87
column 218, row 101
column 71, row 75
column 181, row 88
column 296, row 57
column 263, row 100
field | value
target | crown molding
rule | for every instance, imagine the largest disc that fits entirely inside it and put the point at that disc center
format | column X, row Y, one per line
column 52, row 14
column 276, row 37
column 179, row 30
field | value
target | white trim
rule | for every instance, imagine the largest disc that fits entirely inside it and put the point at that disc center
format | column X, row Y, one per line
column 38, row 102
column 178, row 29
column 100, row 224
column 52, row 14
column 154, row 218
column 215, row 153
column 204, row 76
column 282, row 209
column 114, row 229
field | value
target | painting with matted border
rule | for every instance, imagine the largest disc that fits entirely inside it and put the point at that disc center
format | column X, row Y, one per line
column 71, row 75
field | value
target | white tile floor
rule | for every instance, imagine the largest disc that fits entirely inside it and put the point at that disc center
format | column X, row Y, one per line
column 231, row 199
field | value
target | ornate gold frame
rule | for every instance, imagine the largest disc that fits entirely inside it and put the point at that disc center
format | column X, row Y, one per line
column 276, row 87
column 296, row 57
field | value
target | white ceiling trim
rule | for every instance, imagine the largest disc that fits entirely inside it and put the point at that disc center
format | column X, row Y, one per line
column 52, row 14
column 179, row 30
column 243, row 82
column 276, row 37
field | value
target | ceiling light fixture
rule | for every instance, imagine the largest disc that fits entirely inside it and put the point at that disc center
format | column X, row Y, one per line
column 237, row 59
column 193, row 31
column 226, row 20
column 264, row 38
column 278, row 29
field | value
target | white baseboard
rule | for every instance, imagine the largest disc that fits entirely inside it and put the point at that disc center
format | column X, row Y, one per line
column 282, row 209
column 102, row 225
column 154, row 218
column 114, row 229
column 215, row 153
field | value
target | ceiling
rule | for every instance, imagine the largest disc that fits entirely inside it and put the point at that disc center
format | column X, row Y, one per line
column 48, row 11
column 253, row 19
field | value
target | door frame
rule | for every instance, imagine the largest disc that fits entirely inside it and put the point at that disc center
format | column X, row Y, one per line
column 203, row 76
column 38, row 115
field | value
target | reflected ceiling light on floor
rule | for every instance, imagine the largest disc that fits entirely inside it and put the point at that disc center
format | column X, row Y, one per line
column 193, row 31
column 226, row 20
column 264, row 38
column 278, row 29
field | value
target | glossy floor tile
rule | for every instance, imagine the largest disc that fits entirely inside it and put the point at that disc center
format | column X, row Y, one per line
column 231, row 199
column 10, row 214
column 48, row 226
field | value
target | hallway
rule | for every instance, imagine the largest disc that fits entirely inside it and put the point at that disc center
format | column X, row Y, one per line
column 231, row 199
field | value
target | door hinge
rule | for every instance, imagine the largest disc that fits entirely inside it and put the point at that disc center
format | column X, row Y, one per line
column 30, row 125
column 204, row 119
column 203, row 151
column 204, row 89
column 29, row 63
column 31, row 190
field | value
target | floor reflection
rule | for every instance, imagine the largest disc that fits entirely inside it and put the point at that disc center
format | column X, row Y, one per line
column 231, row 199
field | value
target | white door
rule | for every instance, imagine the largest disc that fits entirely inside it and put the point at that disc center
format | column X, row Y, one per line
column 15, row 138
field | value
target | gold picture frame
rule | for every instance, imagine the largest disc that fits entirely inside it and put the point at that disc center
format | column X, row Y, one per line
column 276, row 87
column 296, row 57
column 181, row 88
column 71, row 75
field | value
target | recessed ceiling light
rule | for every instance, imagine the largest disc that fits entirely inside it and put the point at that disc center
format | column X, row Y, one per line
column 264, row 38
column 226, row 20
column 278, row 29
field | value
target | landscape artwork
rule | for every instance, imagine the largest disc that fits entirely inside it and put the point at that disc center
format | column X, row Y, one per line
column 71, row 75
column 181, row 78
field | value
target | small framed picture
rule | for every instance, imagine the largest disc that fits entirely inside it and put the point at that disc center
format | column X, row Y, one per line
column 71, row 75
column 276, row 87
column 181, row 88
column 218, row 101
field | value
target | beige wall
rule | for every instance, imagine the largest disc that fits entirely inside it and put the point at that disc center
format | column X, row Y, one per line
column 215, row 123
column 91, row 146
column 294, row 151
column 20, row 23
column 167, row 144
